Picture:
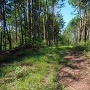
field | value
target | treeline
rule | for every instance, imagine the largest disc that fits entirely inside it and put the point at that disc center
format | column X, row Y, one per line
column 29, row 22
column 78, row 29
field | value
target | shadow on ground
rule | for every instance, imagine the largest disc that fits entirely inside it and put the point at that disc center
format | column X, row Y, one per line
column 75, row 69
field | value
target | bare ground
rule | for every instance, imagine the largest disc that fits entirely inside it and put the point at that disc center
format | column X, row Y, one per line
column 75, row 75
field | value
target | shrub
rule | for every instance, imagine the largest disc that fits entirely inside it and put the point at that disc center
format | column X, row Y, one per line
column 83, row 46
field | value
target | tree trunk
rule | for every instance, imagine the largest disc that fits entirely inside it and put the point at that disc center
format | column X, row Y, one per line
column 85, row 29
column 16, row 24
column 4, row 27
column 79, row 24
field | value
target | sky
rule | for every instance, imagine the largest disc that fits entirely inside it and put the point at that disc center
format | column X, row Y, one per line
column 66, row 12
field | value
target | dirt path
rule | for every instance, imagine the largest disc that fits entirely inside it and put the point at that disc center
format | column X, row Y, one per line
column 76, row 74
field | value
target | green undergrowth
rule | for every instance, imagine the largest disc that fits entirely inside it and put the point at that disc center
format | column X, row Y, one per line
column 83, row 46
column 33, row 69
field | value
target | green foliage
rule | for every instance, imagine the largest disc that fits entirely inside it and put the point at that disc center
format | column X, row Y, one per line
column 70, row 32
column 83, row 46
column 27, row 22
column 73, row 2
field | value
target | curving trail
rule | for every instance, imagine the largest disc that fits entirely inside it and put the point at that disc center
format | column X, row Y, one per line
column 75, row 75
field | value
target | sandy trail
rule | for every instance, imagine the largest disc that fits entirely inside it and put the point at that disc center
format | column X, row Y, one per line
column 76, row 74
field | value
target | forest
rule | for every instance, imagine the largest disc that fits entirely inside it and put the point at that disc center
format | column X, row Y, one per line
column 38, row 51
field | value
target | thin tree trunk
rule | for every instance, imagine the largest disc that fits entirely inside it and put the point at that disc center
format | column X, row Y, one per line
column 79, row 25
column 85, row 29
column 1, row 41
column 9, row 38
column 46, row 23
column 44, row 29
column 4, row 27
column 16, row 24
column 53, row 20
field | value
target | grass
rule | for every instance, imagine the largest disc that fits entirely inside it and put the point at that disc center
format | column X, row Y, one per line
column 33, row 70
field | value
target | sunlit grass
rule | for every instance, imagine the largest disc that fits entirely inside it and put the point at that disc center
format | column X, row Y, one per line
column 36, row 70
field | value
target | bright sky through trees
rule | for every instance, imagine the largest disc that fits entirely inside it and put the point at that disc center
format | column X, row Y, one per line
column 66, row 12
